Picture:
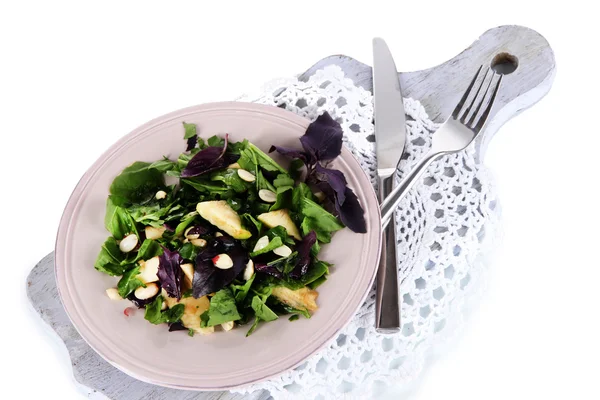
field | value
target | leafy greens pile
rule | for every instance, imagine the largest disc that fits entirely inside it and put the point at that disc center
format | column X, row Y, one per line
column 236, row 240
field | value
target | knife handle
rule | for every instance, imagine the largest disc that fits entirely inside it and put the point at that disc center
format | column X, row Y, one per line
column 387, row 301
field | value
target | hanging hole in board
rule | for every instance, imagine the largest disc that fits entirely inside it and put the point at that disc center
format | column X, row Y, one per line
column 504, row 63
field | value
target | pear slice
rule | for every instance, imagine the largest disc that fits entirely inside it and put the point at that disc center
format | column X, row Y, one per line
column 221, row 215
column 303, row 298
column 193, row 308
column 280, row 218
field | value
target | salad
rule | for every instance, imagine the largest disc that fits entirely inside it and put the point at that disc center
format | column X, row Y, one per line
column 236, row 240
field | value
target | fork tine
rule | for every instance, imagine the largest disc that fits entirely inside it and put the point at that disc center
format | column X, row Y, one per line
column 472, row 119
column 468, row 110
column 460, row 104
column 488, row 109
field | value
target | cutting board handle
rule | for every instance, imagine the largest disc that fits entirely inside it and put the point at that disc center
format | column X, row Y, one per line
column 440, row 88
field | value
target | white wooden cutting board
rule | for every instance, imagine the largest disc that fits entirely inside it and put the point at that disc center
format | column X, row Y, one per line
column 438, row 89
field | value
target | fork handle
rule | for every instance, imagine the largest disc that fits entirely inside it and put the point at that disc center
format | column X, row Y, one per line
column 391, row 202
column 387, row 302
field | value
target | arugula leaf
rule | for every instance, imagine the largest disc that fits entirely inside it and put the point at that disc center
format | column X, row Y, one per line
column 300, row 192
column 293, row 318
column 215, row 141
column 222, row 309
column 273, row 244
column 155, row 316
column 231, row 179
column 241, row 291
column 204, row 186
column 185, row 222
column 295, row 169
column 238, row 147
column 317, row 219
column 188, row 251
column 280, row 231
column 284, row 198
column 283, row 180
column 312, row 210
column 249, row 220
column 318, row 282
column 253, row 327
column 263, row 160
column 129, row 282
column 137, row 183
column 118, row 221
column 190, row 130
column 109, row 259
column 147, row 250
column 151, row 214
column 247, row 160
column 261, row 310
column 262, row 182
column 164, row 165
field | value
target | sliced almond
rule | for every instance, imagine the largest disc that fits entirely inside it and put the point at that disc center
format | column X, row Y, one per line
column 320, row 196
column 188, row 271
column 128, row 243
column 154, row 233
column 227, row 326
column 113, row 294
column 234, row 166
column 283, row 251
column 192, row 236
column 222, row 261
column 148, row 270
column 261, row 243
column 145, row 293
column 198, row 242
column 246, row 175
column 267, row 196
column 249, row 270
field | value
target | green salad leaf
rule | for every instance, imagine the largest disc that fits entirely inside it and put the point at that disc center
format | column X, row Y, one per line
column 118, row 221
column 137, row 183
column 155, row 316
column 129, row 282
column 190, row 130
column 222, row 309
column 110, row 258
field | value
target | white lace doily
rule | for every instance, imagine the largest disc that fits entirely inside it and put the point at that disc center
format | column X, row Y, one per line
column 447, row 226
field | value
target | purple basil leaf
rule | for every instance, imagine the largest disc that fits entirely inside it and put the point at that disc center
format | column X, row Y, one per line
column 210, row 279
column 170, row 273
column 268, row 269
column 351, row 213
column 335, row 179
column 169, row 226
column 207, row 160
column 303, row 249
column 323, row 138
column 177, row 326
column 192, row 142
column 199, row 230
column 291, row 153
column 139, row 303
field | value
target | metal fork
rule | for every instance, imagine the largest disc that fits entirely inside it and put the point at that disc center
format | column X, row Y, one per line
column 453, row 136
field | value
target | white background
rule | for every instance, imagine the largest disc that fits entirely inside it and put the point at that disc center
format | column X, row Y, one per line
column 76, row 76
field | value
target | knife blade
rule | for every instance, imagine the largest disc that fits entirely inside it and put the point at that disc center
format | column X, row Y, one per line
column 390, row 137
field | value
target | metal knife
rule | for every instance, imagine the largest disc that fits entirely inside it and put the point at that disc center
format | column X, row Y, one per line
column 390, row 136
